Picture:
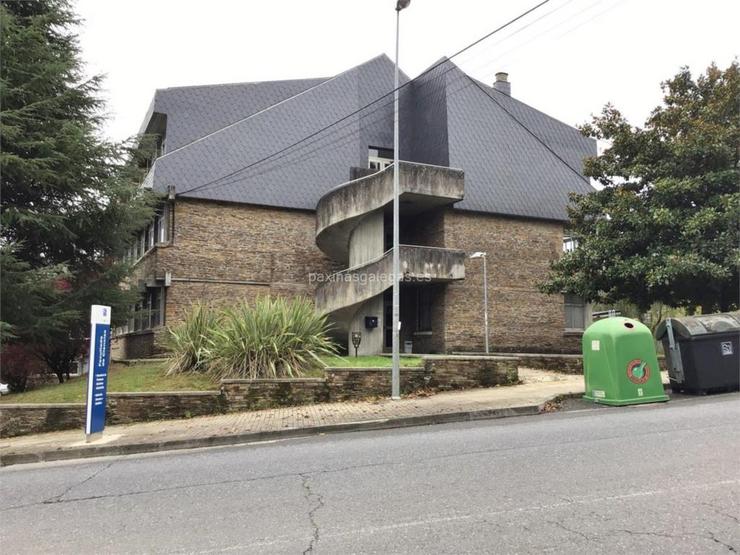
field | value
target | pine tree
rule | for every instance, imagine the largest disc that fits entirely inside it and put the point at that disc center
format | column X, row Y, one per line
column 71, row 200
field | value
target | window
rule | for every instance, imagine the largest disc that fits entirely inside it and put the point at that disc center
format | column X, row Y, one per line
column 148, row 312
column 157, row 227
column 153, row 234
column 142, row 243
column 575, row 312
column 569, row 244
column 155, row 303
column 165, row 226
column 379, row 158
column 150, row 236
column 160, row 225
column 424, row 309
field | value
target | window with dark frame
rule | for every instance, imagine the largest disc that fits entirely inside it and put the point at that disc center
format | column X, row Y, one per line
column 155, row 233
column 379, row 158
column 148, row 312
column 575, row 312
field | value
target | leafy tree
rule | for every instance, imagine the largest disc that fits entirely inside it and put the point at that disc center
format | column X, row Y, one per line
column 70, row 199
column 664, row 227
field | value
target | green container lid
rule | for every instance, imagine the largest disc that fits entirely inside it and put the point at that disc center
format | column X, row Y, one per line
column 620, row 365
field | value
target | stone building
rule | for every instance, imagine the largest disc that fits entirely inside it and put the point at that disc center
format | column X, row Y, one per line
column 262, row 195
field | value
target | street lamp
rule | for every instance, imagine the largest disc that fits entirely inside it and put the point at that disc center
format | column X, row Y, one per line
column 396, row 372
column 485, row 292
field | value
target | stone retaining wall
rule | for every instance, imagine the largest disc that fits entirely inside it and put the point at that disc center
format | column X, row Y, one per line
column 340, row 384
column 241, row 395
column 126, row 408
column 464, row 372
column 439, row 373
column 123, row 408
column 346, row 384
column 567, row 364
column 22, row 419
column 140, row 344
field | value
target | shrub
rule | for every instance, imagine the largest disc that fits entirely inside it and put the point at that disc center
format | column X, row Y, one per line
column 191, row 340
column 273, row 338
column 18, row 364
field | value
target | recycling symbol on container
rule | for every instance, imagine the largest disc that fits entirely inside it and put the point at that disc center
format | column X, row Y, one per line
column 638, row 372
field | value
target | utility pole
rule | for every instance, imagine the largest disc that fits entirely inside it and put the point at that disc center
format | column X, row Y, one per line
column 396, row 370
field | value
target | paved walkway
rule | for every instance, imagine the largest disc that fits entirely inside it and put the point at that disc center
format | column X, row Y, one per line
column 537, row 388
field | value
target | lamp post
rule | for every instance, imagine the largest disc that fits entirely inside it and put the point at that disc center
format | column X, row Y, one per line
column 485, row 292
column 395, row 372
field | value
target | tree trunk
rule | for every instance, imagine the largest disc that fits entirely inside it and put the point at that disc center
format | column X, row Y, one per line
column 60, row 362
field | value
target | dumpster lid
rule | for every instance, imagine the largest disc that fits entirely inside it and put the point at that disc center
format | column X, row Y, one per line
column 705, row 324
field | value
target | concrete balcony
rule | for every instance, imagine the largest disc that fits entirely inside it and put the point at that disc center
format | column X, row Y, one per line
column 422, row 187
column 343, row 291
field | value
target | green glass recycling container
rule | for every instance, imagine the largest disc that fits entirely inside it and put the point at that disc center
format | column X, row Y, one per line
column 620, row 365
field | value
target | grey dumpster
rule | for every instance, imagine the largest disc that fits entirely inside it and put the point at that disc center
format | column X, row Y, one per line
column 702, row 352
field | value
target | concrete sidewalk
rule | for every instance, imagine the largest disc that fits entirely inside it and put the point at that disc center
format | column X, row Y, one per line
column 537, row 388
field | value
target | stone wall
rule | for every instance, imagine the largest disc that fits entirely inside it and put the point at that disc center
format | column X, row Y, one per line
column 22, row 419
column 439, row 373
column 464, row 372
column 123, row 408
column 241, row 395
column 357, row 383
column 138, row 344
column 126, row 408
column 566, row 364
column 224, row 252
column 239, row 242
column 519, row 254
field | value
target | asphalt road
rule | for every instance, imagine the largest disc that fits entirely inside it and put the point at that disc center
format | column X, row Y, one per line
column 649, row 479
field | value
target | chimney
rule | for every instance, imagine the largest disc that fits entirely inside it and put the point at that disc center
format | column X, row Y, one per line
column 502, row 83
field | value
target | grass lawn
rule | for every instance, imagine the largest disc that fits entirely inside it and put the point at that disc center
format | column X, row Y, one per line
column 150, row 377
column 368, row 361
column 137, row 377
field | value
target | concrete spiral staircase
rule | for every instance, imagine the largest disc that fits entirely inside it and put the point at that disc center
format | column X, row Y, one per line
column 350, row 230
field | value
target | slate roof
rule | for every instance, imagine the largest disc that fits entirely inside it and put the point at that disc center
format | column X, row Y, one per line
column 217, row 137
column 197, row 111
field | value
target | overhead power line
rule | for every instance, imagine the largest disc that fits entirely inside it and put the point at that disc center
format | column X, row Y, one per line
column 347, row 138
column 528, row 130
column 346, row 117
column 240, row 175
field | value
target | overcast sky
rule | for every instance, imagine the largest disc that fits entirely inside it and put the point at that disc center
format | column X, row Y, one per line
column 568, row 58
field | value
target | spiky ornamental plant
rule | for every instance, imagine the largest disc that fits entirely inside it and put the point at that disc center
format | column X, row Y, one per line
column 191, row 341
column 272, row 338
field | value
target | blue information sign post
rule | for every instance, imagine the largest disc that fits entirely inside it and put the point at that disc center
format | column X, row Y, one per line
column 97, row 378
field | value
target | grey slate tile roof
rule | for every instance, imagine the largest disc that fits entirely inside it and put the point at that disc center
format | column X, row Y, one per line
column 215, row 133
column 507, row 170
column 197, row 111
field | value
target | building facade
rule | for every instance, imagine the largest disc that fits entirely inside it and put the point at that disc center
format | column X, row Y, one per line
column 262, row 195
